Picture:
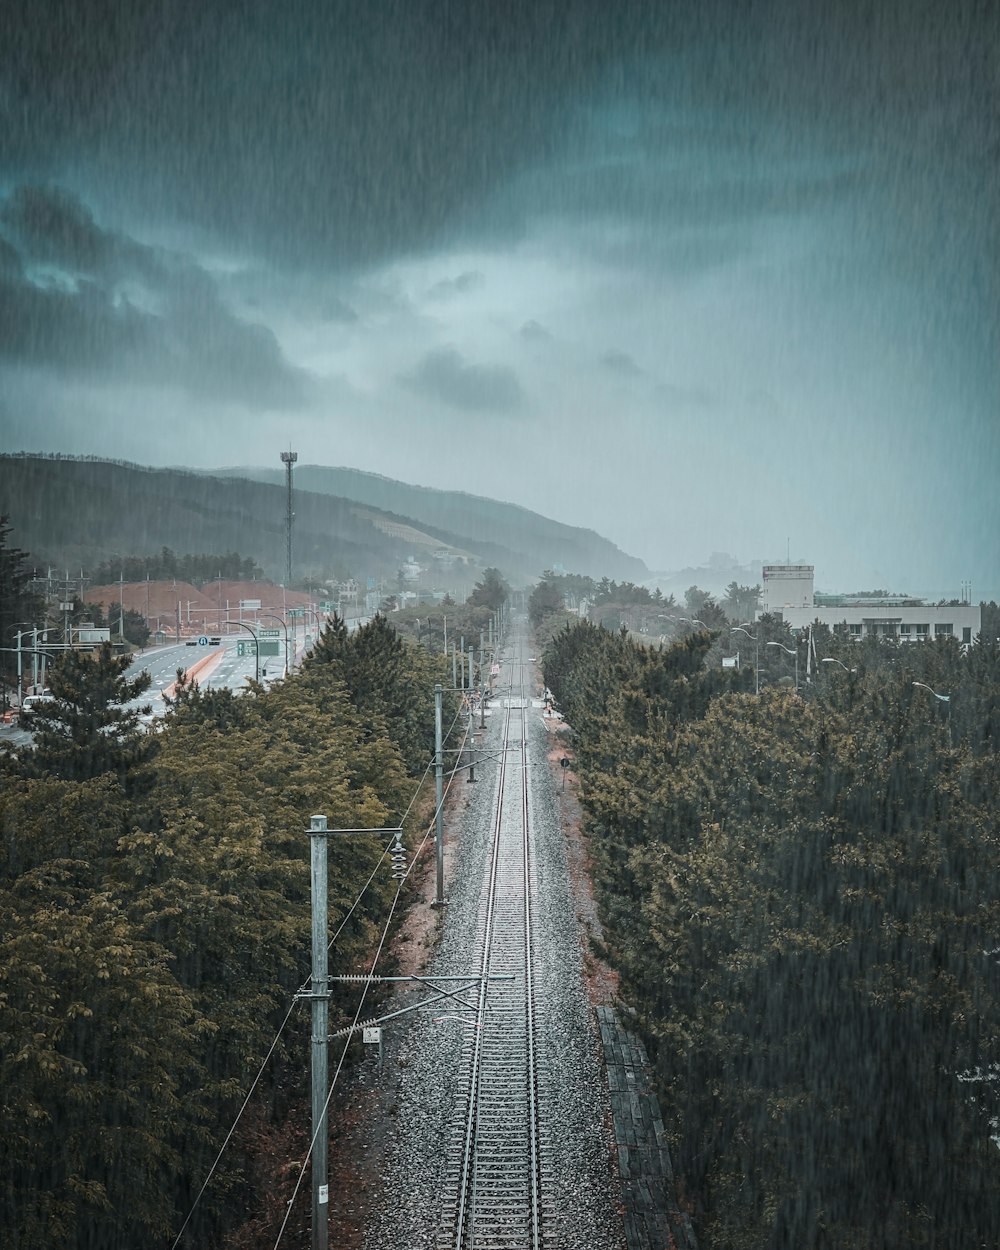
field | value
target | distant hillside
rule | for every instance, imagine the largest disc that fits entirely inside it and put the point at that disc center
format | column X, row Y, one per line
column 504, row 534
column 75, row 512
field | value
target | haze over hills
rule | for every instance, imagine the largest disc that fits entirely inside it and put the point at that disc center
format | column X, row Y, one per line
column 484, row 523
column 76, row 512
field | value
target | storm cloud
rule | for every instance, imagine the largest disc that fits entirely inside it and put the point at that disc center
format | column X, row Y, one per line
column 81, row 298
column 342, row 223
column 443, row 375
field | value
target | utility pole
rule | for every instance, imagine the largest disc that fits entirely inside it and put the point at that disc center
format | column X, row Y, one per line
column 288, row 459
column 439, row 796
column 482, row 684
column 472, row 753
column 320, row 1000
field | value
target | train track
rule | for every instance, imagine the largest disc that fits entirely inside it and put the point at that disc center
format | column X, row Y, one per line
column 494, row 1159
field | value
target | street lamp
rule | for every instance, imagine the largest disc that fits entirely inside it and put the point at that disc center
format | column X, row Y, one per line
column 272, row 616
column 256, row 646
column 755, row 639
column 832, row 659
column 941, row 698
column 789, row 651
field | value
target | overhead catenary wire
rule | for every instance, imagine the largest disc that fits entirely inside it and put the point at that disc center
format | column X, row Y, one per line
column 367, row 983
column 295, row 1001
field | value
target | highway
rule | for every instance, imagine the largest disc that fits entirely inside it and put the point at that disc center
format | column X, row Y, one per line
column 162, row 663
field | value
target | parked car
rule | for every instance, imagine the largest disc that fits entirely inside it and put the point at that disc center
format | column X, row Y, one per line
column 30, row 702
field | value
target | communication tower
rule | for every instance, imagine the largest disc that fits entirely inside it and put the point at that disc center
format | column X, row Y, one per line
column 288, row 458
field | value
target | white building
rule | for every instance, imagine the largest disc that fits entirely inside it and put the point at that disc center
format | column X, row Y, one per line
column 788, row 592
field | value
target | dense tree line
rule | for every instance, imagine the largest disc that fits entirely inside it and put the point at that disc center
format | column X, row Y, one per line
column 442, row 625
column 166, row 564
column 154, row 926
column 19, row 606
column 614, row 604
column 803, row 896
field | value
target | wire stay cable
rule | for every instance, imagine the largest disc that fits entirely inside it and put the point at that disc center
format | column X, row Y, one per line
column 295, row 1001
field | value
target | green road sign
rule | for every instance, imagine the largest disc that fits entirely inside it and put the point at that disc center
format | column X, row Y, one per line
column 244, row 648
column 270, row 633
column 270, row 648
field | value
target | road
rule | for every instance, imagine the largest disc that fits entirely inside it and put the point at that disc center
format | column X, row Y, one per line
column 162, row 663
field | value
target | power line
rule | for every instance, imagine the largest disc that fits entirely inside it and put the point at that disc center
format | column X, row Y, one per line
column 306, row 983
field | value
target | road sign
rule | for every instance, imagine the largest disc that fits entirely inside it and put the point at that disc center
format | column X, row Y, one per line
column 245, row 648
column 203, row 641
column 372, row 1036
column 270, row 633
column 270, row 648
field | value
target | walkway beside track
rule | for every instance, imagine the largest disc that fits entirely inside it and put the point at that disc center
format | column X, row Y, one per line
column 653, row 1220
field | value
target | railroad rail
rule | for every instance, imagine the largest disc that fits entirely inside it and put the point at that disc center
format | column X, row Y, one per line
column 494, row 1164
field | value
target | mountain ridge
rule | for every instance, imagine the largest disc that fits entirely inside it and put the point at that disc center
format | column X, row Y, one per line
column 484, row 519
column 73, row 511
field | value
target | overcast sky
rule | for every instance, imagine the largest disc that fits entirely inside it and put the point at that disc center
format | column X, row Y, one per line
column 705, row 276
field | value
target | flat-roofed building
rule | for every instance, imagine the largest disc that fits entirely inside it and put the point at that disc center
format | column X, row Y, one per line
column 788, row 592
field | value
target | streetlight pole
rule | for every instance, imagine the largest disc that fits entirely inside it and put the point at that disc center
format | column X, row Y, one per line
column 272, row 616
column 789, row 651
column 941, row 698
column 256, row 645
column 755, row 639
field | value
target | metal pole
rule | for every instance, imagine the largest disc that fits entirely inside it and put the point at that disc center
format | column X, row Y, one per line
column 482, row 684
column 320, row 1028
column 454, row 667
column 446, row 633
column 288, row 459
column 439, row 796
column 472, row 754
column 20, row 681
column 462, row 673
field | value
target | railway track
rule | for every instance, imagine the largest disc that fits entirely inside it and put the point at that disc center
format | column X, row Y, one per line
column 495, row 1172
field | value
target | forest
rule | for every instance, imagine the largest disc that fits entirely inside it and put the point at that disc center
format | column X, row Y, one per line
column 154, row 930
column 802, row 894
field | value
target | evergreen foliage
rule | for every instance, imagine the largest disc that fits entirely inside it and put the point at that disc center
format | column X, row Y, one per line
column 85, row 729
column 545, row 599
column 803, row 896
column 165, row 564
column 19, row 606
column 154, row 925
column 491, row 591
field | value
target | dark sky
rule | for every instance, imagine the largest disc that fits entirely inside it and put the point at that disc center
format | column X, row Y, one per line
column 704, row 276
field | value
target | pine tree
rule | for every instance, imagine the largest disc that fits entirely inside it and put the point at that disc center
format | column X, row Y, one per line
column 86, row 729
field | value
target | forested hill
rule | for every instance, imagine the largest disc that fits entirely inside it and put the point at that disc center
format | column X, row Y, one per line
column 543, row 543
column 74, row 512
